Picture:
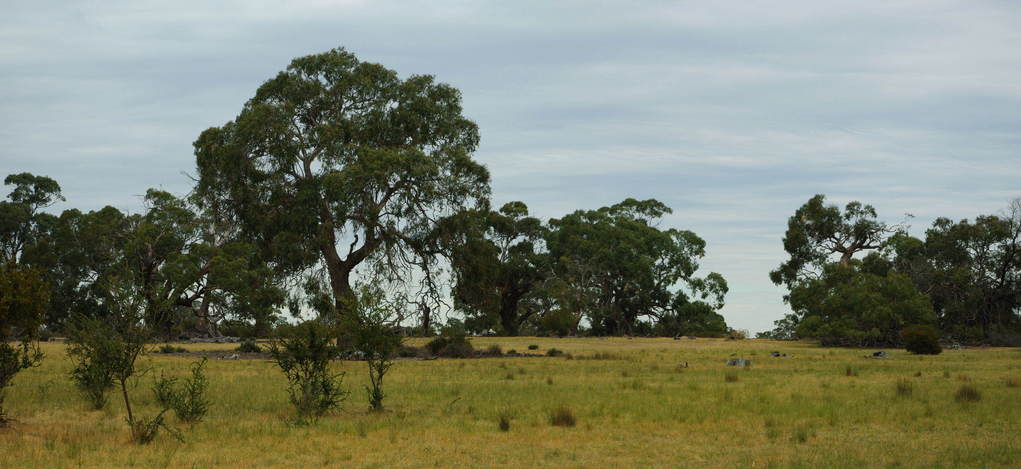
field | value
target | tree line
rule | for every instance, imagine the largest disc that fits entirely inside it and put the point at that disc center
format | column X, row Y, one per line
column 962, row 278
column 338, row 175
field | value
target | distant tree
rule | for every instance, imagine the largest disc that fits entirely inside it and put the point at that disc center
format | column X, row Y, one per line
column 75, row 254
column 497, row 260
column 20, row 214
column 190, row 270
column 23, row 297
column 336, row 163
column 834, row 297
column 861, row 303
column 817, row 232
column 626, row 266
column 972, row 272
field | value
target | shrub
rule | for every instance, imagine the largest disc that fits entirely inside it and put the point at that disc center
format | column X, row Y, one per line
column 304, row 354
column 23, row 299
column 494, row 351
column 737, row 334
column 375, row 340
column 921, row 339
column 167, row 348
column 504, row 422
column 95, row 349
column 533, row 347
column 554, row 352
column 967, row 393
column 248, row 346
column 512, row 352
column 451, row 347
column 144, row 430
column 848, row 371
column 730, row 378
column 190, row 403
column 562, row 417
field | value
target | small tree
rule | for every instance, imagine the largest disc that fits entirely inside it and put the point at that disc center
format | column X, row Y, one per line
column 23, row 300
column 127, row 341
column 373, row 335
column 304, row 355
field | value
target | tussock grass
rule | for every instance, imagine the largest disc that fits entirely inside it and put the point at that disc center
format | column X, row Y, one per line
column 967, row 393
column 562, row 416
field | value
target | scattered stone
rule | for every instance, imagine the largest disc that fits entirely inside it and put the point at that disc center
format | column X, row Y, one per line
column 682, row 365
column 956, row 346
column 739, row 362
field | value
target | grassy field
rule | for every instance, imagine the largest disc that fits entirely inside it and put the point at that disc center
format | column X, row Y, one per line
column 820, row 408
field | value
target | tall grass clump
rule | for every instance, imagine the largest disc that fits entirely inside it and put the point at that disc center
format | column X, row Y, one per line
column 967, row 393
column 562, row 417
column 904, row 388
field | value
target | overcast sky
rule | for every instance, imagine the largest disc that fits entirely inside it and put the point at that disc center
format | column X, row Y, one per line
column 732, row 113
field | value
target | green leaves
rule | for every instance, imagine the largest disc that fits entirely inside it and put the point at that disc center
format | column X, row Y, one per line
column 619, row 266
column 337, row 162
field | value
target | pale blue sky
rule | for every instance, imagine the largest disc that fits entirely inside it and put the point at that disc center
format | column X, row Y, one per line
column 732, row 113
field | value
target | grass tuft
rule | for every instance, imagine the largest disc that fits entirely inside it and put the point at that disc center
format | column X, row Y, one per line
column 967, row 393
column 904, row 388
column 562, row 417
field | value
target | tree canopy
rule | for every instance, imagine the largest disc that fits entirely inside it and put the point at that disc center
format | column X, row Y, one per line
column 337, row 162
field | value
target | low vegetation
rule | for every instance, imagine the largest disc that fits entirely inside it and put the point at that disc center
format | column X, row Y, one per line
column 631, row 409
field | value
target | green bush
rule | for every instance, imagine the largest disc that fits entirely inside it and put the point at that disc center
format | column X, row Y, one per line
column 554, row 352
column 248, row 346
column 921, row 339
column 533, row 347
column 189, row 401
column 304, row 355
column 451, row 347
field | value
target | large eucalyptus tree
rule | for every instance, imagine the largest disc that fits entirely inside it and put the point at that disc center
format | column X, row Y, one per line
column 336, row 163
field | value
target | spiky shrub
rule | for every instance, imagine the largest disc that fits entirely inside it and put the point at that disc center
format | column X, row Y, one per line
column 188, row 400
column 304, row 355
column 921, row 339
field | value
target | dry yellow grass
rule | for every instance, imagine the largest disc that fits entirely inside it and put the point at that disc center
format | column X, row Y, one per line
column 634, row 408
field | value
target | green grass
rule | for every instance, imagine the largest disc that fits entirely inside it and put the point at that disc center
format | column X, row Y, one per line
column 632, row 407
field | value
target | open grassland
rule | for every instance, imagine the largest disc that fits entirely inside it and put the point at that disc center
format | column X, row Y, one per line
column 820, row 408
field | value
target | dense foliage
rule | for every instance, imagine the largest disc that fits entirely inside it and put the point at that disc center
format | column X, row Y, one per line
column 336, row 163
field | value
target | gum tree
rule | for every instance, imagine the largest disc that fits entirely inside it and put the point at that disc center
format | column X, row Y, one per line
column 336, row 163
